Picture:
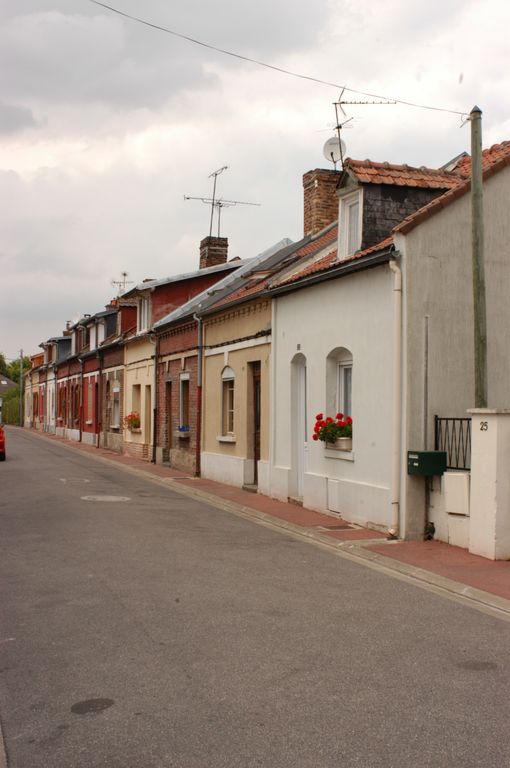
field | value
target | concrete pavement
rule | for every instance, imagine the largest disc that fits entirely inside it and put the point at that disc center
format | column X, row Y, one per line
column 433, row 564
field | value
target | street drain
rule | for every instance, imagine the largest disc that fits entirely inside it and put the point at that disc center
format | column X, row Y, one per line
column 105, row 498
column 91, row 706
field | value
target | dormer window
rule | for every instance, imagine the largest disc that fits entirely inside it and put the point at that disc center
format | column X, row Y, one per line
column 350, row 224
column 143, row 315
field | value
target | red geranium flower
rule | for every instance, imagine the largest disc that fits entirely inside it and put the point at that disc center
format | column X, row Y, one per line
column 348, row 420
column 319, row 416
column 316, row 436
column 339, row 416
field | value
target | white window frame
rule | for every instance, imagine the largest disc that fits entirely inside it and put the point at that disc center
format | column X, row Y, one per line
column 184, row 380
column 227, row 401
column 143, row 314
column 346, row 204
column 344, row 398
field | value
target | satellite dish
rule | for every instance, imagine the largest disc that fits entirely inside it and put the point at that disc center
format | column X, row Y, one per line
column 331, row 149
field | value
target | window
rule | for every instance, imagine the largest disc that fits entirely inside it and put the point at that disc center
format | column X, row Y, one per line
column 115, row 408
column 184, row 400
column 227, row 401
column 344, row 395
column 89, row 402
column 143, row 314
column 339, row 382
column 350, row 224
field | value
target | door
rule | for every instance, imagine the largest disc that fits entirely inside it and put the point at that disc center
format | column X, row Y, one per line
column 256, row 419
column 168, row 411
column 298, row 426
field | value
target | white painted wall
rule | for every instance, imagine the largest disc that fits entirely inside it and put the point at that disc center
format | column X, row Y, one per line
column 354, row 312
column 438, row 286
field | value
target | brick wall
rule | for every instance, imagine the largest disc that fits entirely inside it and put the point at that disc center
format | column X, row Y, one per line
column 320, row 199
column 213, row 251
column 179, row 451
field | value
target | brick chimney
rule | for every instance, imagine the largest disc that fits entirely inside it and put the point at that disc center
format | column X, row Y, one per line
column 213, row 251
column 320, row 200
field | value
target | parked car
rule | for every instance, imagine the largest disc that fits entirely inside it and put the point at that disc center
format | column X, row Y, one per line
column 2, row 444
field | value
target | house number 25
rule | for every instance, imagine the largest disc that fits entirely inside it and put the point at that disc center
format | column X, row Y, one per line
column 484, row 426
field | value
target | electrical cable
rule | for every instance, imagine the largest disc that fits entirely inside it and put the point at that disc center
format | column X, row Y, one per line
column 272, row 66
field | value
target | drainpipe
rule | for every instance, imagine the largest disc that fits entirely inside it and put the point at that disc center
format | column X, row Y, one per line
column 99, row 403
column 199, row 396
column 81, row 419
column 396, row 430
column 155, row 341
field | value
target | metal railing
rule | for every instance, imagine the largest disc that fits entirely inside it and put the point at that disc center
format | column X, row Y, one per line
column 454, row 436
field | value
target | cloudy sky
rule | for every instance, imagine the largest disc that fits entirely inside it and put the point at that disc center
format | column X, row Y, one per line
column 105, row 124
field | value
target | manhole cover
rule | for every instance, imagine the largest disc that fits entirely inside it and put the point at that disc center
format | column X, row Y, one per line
column 91, row 706
column 105, row 498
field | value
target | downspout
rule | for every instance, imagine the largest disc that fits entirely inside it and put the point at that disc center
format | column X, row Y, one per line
column 81, row 419
column 199, row 396
column 155, row 341
column 396, row 427
column 99, row 403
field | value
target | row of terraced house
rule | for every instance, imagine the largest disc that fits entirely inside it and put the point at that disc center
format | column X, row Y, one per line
column 222, row 371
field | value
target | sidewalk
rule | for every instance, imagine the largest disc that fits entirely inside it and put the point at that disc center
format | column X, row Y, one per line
column 440, row 566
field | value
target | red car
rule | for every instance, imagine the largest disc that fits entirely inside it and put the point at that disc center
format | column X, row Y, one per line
column 2, row 444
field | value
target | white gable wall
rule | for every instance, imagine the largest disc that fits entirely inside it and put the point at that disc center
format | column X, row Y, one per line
column 354, row 312
column 438, row 282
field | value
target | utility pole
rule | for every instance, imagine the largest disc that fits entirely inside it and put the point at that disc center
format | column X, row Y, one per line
column 21, row 387
column 479, row 304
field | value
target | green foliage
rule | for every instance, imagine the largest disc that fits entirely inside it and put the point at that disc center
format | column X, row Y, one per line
column 10, row 407
column 11, row 370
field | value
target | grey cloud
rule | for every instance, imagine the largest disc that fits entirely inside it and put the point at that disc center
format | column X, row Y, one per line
column 15, row 118
column 91, row 54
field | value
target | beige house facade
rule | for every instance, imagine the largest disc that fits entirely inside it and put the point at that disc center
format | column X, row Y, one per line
column 235, row 415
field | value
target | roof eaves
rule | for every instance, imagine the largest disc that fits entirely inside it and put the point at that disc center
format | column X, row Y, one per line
column 339, row 270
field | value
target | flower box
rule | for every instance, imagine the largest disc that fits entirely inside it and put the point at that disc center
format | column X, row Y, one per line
column 341, row 444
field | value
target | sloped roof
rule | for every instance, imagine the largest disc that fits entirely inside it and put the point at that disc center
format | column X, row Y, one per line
column 370, row 172
column 494, row 160
column 262, row 280
column 211, row 295
column 6, row 384
column 329, row 261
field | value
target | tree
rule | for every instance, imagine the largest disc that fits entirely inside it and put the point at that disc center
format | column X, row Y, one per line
column 3, row 365
column 13, row 368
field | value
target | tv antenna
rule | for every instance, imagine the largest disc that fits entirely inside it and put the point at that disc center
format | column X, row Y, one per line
column 217, row 203
column 334, row 148
column 122, row 283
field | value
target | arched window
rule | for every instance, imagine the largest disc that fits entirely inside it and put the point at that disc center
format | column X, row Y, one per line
column 339, row 381
column 227, row 400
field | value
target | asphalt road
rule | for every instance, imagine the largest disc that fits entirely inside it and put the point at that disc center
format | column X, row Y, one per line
column 157, row 631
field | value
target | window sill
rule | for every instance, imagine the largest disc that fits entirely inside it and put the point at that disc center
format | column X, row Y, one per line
column 182, row 435
column 338, row 453
column 114, row 427
column 226, row 438
column 89, row 422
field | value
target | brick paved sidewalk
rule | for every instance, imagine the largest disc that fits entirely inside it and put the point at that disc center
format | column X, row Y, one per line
column 436, row 557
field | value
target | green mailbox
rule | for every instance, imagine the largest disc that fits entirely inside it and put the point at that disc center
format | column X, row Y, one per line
column 426, row 463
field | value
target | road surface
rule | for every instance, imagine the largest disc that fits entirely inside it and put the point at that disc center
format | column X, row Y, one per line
column 142, row 629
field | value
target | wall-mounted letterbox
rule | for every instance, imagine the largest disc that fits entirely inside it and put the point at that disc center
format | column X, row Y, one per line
column 426, row 463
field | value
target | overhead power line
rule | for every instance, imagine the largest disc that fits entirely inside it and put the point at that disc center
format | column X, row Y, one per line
column 272, row 66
